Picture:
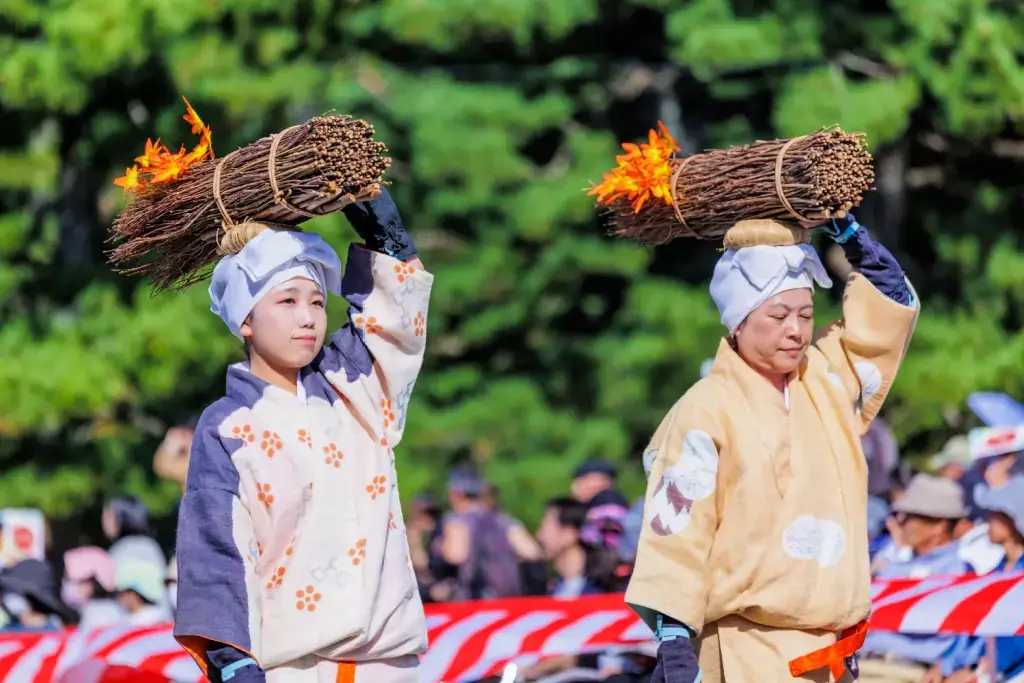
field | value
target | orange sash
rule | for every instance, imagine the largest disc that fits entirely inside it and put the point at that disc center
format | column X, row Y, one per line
column 346, row 672
column 848, row 642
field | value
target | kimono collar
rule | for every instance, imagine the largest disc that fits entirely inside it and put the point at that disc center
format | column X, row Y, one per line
column 248, row 389
column 759, row 391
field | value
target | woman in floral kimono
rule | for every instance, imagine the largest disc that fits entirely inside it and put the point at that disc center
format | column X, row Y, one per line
column 753, row 558
column 292, row 560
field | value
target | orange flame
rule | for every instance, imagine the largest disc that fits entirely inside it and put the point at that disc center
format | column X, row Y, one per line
column 159, row 165
column 644, row 171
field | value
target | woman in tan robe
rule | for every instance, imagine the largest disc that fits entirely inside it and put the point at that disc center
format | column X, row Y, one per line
column 753, row 556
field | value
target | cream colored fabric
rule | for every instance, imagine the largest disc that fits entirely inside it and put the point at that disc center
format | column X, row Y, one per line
column 314, row 669
column 759, row 513
column 881, row 671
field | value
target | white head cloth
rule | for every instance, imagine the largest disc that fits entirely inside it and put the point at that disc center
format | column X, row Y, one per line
column 267, row 260
column 747, row 277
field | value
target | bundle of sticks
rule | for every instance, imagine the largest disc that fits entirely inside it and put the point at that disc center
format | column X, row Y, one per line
column 801, row 180
column 174, row 231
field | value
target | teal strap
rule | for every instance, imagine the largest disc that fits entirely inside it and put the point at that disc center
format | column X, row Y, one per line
column 851, row 229
column 664, row 633
column 229, row 671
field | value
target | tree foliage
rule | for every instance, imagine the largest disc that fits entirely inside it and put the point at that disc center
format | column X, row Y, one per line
column 549, row 343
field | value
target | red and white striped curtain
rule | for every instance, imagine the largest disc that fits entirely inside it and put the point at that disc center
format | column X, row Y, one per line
column 476, row 639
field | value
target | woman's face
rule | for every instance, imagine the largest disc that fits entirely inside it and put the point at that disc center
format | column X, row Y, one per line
column 110, row 526
column 287, row 327
column 1001, row 528
column 774, row 338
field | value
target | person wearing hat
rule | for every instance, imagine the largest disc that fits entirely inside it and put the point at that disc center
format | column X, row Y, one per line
column 753, row 557
column 90, row 580
column 480, row 549
column 1004, row 506
column 593, row 484
column 140, row 591
column 28, row 595
column 927, row 515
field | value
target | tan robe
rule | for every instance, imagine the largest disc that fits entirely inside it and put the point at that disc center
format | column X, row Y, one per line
column 755, row 529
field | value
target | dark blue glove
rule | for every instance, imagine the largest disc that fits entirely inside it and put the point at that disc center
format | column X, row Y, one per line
column 677, row 663
column 379, row 224
column 677, row 660
column 234, row 665
column 853, row 666
column 870, row 258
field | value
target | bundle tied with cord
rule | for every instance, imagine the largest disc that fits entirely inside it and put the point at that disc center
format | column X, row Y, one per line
column 761, row 193
column 189, row 209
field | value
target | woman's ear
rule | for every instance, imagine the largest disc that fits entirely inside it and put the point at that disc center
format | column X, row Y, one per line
column 246, row 331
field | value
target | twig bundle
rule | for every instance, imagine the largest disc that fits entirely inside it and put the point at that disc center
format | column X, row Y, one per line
column 173, row 232
column 810, row 178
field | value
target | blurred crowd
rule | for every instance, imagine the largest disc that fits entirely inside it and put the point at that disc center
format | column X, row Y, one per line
column 963, row 513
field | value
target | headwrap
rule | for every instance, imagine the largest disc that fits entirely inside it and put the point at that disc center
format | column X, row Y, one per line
column 747, row 277
column 270, row 258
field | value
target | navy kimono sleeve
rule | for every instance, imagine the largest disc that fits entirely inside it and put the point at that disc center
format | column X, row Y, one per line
column 218, row 594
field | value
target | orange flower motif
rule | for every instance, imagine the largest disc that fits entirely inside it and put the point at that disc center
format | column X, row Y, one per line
column 305, row 438
column 271, row 443
column 276, row 579
column 369, row 325
column 389, row 415
column 644, row 171
column 245, row 433
column 419, row 325
column 404, row 271
column 332, row 456
column 358, row 551
column 377, row 488
column 384, row 441
column 290, row 550
column 391, row 521
column 264, row 495
column 307, row 599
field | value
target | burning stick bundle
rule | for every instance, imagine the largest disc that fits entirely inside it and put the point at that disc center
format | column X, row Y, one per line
column 804, row 179
column 190, row 209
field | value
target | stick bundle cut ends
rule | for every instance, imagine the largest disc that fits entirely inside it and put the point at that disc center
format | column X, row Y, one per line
column 808, row 178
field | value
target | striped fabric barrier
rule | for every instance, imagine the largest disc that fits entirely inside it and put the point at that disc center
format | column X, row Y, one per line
column 472, row 640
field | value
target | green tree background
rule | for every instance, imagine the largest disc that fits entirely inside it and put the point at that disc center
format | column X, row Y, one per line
column 549, row 343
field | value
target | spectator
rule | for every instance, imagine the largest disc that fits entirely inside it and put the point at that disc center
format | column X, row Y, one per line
column 140, row 591
column 28, row 595
column 170, row 461
column 90, row 578
column 927, row 516
column 480, row 549
column 632, row 523
column 581, row 569
column 126, row 524
column 593, row 484
column 423, row 532
column 953, row 460
column 1005, row 509
column 882, row 455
